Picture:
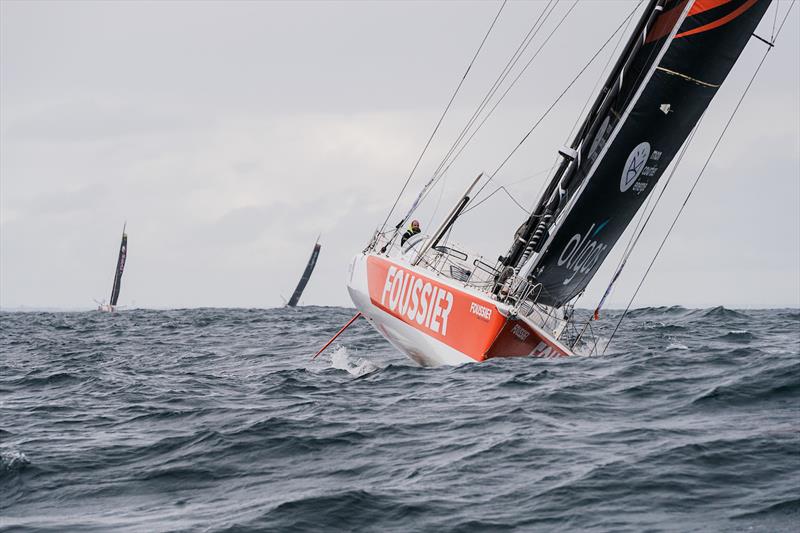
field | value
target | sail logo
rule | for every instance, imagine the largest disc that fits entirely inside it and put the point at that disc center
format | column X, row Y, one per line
column 582, row 252
column 410, row 297
column 634, row 166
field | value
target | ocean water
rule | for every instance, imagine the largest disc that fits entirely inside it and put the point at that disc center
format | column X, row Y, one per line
column 218, row 420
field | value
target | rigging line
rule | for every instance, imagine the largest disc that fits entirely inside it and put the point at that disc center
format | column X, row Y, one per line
column 498, row 189
column 691, row 190
column 624, row 75
column 589, row 99
column 775, row 22
column 623, row 258
column 447, row 108
column 508, row 193
column 629, row 247
column 638, row 233
column 506, row 93
column 627, row 253
column 491, row 111
column 654, row 50
column 526, row 41
column 438, row 203
column 643, row 221
column 534, row 175
column 594, row 338
column 632, row 243
column 592, row 93
column 586, row 104
column 600, row 77
column 495, row 87
column 446, row 238
column 784, row 20
column 528, row 178
column 543, row 186
column 527, row 211
column 580, row 73
column 643, row 72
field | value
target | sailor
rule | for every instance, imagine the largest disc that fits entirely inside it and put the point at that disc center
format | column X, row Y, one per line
column 412, row 230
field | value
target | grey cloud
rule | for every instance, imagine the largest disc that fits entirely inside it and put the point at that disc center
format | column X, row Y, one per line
column 230, row 135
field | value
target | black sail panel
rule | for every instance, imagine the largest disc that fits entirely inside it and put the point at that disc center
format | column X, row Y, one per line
column 123, row 253
column 298, row 292
column 657, row 39
column 640, row 146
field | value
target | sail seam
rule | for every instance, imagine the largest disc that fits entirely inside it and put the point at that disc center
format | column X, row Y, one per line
column 688, row 78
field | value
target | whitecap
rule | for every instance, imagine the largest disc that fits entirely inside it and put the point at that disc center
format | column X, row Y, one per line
column 677, row 346
column 13, row 460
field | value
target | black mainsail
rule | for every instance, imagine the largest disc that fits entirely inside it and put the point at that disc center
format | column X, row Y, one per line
column 312, row 261
column 678, row 57
column 123, row 253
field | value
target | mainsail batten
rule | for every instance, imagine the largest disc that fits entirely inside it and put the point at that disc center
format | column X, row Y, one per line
column 665, row 107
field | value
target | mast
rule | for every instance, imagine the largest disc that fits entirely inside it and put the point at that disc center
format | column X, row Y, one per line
column 312, row 261
column 123, row 253
column 531, row 231
column 651, row 102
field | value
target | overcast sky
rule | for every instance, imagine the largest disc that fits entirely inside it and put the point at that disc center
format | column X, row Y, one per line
column 230, row 135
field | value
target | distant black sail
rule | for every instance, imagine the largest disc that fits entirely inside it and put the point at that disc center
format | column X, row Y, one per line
column 687, row 54
column 298, row 292
column 123, row 252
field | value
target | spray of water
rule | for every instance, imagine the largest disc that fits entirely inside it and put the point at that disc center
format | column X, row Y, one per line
column 341, row 359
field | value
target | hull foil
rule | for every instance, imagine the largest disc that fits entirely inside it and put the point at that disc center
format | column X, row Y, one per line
column 435, row 320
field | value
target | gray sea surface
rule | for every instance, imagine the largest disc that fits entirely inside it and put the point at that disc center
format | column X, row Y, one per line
column 218, row 420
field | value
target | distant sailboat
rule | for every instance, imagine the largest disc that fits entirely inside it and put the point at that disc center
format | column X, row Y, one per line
column 123, row 253
column 312, row 262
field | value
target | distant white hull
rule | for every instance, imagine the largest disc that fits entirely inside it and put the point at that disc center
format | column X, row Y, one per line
column 106, row 308
column 436, row 320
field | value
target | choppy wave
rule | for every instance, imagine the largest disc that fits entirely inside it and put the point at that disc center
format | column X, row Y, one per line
column 12, row 461
column 219, row 420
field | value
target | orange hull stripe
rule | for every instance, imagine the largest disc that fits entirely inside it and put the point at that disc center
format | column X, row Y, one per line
column 719, row 22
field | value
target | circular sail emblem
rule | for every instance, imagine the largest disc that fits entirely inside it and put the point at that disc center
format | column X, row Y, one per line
column 634, row 166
